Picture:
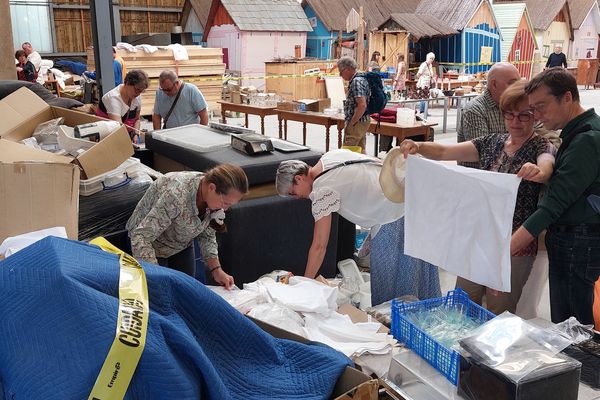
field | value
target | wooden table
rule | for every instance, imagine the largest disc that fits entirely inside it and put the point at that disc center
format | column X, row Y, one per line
column 261, row 111
column 390, row 129
column 308, row 117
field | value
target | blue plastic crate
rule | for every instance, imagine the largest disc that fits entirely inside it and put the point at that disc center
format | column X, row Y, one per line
column 441, row 358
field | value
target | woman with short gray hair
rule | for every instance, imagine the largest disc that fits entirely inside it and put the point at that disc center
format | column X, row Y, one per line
column 348, row 183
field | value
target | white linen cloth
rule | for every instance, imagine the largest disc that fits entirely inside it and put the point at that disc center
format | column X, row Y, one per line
column 460, row 219
column 338, row 331
column 304, row 295
column 13, row 244
column 179, row 52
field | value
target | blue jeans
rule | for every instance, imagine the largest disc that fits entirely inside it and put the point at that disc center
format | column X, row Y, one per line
column 574, row 260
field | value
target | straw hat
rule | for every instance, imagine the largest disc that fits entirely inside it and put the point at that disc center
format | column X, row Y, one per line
column 392, row 176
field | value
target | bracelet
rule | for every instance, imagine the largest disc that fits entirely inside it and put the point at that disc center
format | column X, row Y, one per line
column 214, row 269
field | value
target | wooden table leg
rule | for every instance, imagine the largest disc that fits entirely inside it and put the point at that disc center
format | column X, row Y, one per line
column 304, row 133
column 285, row 129
column 262, row 124
column 340, row 126
column 246, row 117
column 280, row 133
column 327, row 137
column 223, row 110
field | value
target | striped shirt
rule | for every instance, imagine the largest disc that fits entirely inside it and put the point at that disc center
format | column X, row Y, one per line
column 480, row 117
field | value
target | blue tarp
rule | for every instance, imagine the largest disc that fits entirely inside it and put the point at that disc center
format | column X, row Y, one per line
column 58, row 310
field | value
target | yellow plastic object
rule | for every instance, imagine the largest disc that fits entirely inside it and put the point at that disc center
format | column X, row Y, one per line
column 356, row 149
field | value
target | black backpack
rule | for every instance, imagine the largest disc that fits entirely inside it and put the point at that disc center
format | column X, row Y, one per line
column 378, row 99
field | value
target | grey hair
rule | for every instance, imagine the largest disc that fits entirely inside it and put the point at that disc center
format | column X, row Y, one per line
column 432, row 55
column 346, row 62
column 167, row 75
column 285, row 175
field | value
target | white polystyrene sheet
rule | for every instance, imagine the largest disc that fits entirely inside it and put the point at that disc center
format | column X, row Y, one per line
column 335, row 91
column 194, row 137
column 460, row 219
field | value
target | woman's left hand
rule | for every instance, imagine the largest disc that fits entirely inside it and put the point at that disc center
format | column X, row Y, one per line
column 531, row 172
column 223, row 278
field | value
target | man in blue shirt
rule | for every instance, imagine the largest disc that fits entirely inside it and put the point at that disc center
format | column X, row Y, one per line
column 190, row 106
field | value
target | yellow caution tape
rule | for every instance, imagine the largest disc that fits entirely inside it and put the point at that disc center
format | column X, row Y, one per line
column 132, row 324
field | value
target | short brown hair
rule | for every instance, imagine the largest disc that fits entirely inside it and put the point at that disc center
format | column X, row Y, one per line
column 557, row 80
column 513, row 96
column 20, row 53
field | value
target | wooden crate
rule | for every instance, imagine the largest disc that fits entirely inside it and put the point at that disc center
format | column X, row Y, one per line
column 298, row 87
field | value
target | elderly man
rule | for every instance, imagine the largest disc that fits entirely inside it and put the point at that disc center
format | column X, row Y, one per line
column 177, row 103
column 482, row 115
column 32, row 55
column 355, row 106
column 573, row 236
column 557, row 59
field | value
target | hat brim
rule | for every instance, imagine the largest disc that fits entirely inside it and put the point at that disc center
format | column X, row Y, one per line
column 392, row 176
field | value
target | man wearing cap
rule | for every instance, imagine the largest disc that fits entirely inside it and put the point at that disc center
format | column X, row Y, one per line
column 573, row 226
column 349, row 183
column 177, row 103
column 482, row 115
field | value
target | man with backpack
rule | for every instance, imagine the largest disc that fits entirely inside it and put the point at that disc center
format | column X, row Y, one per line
column 355, row 106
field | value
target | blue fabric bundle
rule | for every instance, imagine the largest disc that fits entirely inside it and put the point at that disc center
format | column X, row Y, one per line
column 58, row 311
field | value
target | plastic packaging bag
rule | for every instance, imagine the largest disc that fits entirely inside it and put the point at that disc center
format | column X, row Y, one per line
column 46, row 133
column 575, row 330
column 512, row 346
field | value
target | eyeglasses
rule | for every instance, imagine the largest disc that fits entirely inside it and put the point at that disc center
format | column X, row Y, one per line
column 138, row 90
column 168, row 90
column 523, row 117
column 224, row 205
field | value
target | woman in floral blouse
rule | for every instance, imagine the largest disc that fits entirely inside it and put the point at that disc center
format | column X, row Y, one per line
column 521, row 152
column 177, row 208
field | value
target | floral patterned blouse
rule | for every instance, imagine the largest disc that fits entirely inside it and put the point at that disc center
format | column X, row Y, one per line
column 492, row 157
column 166, row 219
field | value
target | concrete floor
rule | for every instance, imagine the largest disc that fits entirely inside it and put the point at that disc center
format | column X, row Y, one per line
column 535, row 300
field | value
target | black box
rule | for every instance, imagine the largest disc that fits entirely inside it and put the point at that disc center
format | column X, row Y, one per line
column 588, row 354
column 556, row 381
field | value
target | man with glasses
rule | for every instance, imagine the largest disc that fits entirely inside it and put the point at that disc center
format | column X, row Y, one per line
column 177, row 103
column 355, row 105
column 482, row 115
column 573, row 227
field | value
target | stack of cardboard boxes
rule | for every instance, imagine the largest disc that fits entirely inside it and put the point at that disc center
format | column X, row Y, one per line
column 39, row 189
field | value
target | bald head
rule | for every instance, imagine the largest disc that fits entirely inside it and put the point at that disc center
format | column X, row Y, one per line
column 499, row 77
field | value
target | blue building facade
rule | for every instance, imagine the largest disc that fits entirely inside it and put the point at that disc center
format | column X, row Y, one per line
column 319, row 42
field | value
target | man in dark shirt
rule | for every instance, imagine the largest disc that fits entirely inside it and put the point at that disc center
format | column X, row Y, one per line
column 557, row 59
column 573, row 226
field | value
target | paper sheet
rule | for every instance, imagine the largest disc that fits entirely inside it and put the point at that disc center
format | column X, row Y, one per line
column 460, row 219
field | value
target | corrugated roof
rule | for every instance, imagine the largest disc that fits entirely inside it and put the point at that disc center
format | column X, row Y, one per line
column 268, row 15
column 579, row 10
column 375, row 12
column 508, row 16
column 422, row 26
column 455, row 13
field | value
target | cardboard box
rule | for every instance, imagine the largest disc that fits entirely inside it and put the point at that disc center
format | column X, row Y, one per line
column 288, row 105
column 22, row 111
column 350, row 379
column 316, row 105
column 38, row 195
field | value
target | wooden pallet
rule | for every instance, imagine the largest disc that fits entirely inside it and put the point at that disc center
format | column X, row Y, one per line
column 204, row 69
